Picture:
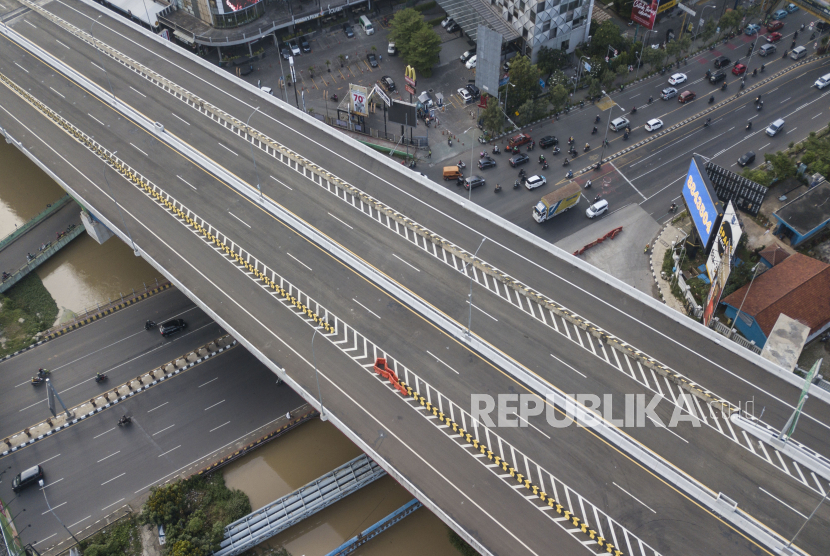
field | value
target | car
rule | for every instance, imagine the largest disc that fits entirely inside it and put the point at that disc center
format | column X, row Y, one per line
column 373, row 60
column 597, row 208
column 822, row 81
column 791, row 8
column 547, row 141
column 474, row 92
column 519, row 159
column 172, row 326
column 388, row 83
column 798, row 53
column 775, row 127
column 466, row 56
column 677, row 79
column 285, row 52
column 446, row 22
column 465, row 95
column 722, row 61
column 717, row 77
column 27, row 478
column 774, row 37
column 453, row 27
column 654, row 125
column 347, row 29
column 535, row 181
column 822, row 26
column 392, row 49
column 471, row 63
column 618, row 124
column 473, row 181
column 506, row 66
column 748, row 158
column 767, row 49
column 295, row 50
column 774, row 26
column 305, row 45
column 752, row 29
column 486, row 162
column 780, row 14
column 668, row 92
column 739, row 69
column 686, row 96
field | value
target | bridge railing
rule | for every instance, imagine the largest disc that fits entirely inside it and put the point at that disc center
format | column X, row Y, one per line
column 44, row 214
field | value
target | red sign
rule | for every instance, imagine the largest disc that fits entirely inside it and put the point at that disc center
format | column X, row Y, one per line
column 410, row 89
column 644, row 12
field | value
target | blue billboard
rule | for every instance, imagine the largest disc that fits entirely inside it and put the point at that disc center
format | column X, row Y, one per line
column 701, row 203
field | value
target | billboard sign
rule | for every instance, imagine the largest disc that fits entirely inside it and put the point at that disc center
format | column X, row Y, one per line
column 644, row 12
column 488, row 60
column 358, row 99
column 409, row 76
column 383, row 96
column 701, row 203
column 719, row 262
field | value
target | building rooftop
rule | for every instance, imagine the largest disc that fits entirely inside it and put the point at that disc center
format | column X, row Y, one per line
column 807, row 211
column 774, row 254
column 469, row 14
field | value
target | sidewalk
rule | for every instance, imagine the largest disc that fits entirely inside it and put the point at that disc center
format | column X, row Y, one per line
column 663, row 243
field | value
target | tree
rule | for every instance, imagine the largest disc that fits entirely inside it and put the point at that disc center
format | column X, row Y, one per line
column 673, row 49
column 782, row 166
column 558, row 97
column 549, row 60
column 165, row 505
column 422, row 54
column 605, row 35
column 405, row 25
column 730, row 20
column 594, row 87
column 525, row 78
column 654, row 57
column 758, row 176
column 708, row 30
column 685, row 43
column 607, row 79
column 492, row 118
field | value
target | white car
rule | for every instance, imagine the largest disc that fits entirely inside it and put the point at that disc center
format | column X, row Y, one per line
column 465, row 95
column 618, row 124
column 447, row 22
column 597, row 208
column 677, row 79
column 471, row 63
column 823, row 81
column 535, row 181
column 654, row 125
column 295, row 50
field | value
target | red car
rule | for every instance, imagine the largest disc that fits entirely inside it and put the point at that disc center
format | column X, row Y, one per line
column 774, row 26
column 774, row 37
column 739, row 69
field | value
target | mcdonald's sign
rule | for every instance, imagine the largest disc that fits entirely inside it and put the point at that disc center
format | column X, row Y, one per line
column 409, row 75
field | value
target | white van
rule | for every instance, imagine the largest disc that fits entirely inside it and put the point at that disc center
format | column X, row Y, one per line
column 775, row 127
column 798, row 53
column 823, row 81
column 471, row 63
column 367, row 25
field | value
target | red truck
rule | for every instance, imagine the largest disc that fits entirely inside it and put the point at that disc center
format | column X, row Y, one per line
column 519, row 140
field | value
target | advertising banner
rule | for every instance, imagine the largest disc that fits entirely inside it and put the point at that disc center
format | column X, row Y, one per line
column 644, row 12
column 701, row 203
column 719, row 262
column 358, row 96
column 382, row 94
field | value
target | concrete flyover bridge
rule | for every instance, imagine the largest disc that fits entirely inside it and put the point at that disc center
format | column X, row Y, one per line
column 323, row 257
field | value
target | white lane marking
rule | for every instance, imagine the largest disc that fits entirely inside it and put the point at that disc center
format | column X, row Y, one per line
column 333, row 216
column 235, row 216
column 765, row 146
column 50, row 459
column 185, row 181
column 532, row 425
column 219, row 427
column 659, row 425
column 782, row 502
column 56, row 92
column 298, row 260
column 628, row 180
column 483, row 311
column 447, row 366
column 634, row 497
column 77, row 522
column 279, row 182
column 46, row 539
column 53, row 483
column 97, row 66
column 21, row 67
column 63, row 45
column 26, row 21
column 406, row 263
column 571, row 368
column 157, row 407
column 137, row 91
column 168, row 451
column 113, row 504
column 96, row 119
column 164, row 429
column 139, row 150
column 227, row 149
column 817, row 115
column 666, row 187
column 111, row 480
column 785, row 100
column 214, row 405
column 103, row 433
column 208, row 382
column 364, row 306
column 793, row 129
column 109, row 456
column 188, row 123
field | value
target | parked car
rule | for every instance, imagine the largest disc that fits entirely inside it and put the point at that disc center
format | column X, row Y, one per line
column 373, row 60
column 473, row 181
column 677, row 79
column 465, row 95
column 519, row 159
column 453, row 27
column 791, row 8
column 391, row 49
column 774, row 37
column 446, row 22
column 305, row 45
column 774, row 26
column 348, row 30
column 722, row 61
column 597, row 208
column 767, row 49
column 739, row 69
column 547, row 141
column 388, row 83
column 27, row 478
column 668, row 92
column 485, row 163
column 295, row 50
column 686, row 96
column 618, row 124
column 172, row 326
column 654, row 125
column 466, row 56
column 717, row 77
column 535, row 181
column 471, row 63
column 474, row 92
column 285, row 52
column 748, row 158
column 780, row 14
column 752, row 29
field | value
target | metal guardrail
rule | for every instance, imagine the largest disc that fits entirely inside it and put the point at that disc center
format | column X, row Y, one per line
column 54, row 207
column 293, row 508
column 41, row 258
column 365, row 536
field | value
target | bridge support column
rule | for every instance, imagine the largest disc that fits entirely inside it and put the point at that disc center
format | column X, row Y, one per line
column 94, row 228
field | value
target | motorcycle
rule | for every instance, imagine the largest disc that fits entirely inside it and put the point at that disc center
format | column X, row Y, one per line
column 461, row 165
column 634, row 110
column 522, row 173
column 711, row 99
column 101, row 377
column 569, row 175
column 673, row 208
column 625, row 136
column 37, row 380
column 760, row 105
column 650, row 100
column 586, row 148
column 149, row 325
column 755, row 72
column 707, row 122
column 498, row 188
column 482, row 154
column 516, row 184
column 556, row 150
column 449, row 141
column 545, row 165
column 334, row 98
column 531, row 146
column 588, row 184
column 124, row 420
column 748, row 126
column 541, row 159
column 723, row 87
column 43, row 373
column 566, row 163
column 496, row 150
column 597, row 198
column 596, row 121
column 763, row 66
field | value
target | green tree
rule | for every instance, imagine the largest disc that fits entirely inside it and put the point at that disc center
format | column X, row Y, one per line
column 708, row 30
column 605, row 35
column 607, row 78
column 654, row 57
column 549, row 60
column 730, row 20
column 558, row 97
column 405, row 25
column 492, row 117
column 758, row 176
column 594, row 87
column 685, row 43
column 673, row 49
column 423, row 52
column 781, row 165
column 525, row 77
column 184, row 548
column 165, row 505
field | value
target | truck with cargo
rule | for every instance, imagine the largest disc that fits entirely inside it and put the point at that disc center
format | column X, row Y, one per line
column 557, row 202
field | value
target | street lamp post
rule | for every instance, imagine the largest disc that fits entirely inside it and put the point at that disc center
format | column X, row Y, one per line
column 317, row 377
column 470, row 297
column 43, row 490
column 642, row 49
column 579, row 71
column 823, row 498
column 505, row 102
column 703, row 11
column 258, row 186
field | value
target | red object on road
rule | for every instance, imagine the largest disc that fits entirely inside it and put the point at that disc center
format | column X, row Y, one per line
column 774, row 37
column 383, row 370
column 740, row 69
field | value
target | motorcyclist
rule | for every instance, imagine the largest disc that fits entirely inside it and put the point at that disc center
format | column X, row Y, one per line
column 711, row 99
column 594, row 131
column 708, row 121
column 596, row 121
column 496, row 149
column 748, row 125
column 673, row 207
column 587, row 146
column 566, row 162
column 634, row 110
column 587, row 184
column 541, row 158
column 149, row 325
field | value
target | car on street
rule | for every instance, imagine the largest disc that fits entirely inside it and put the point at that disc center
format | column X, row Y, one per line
column 304, row 44
column 391, row 49
column 822, row 26
column 471, row 63
column 677, row 79
column 465, row 95
column 486, row 162
column 774, row 26
column 446, row 22
column 473, row 181
column 798, row 53
column 285, row 52
column 467, row 55
column 739, row 69
column 717, row 77
column 547, row 141
column 519, row 159
column 686, row 96
column 721, row 62
column 774, row 37
column 775, row 127
column 347, row 29
column 748, row 158
column 172, row 326
column 822, row 81
column 28, row 477
column 752, row 29
column 295, row 50
column 618, row 124
column 388, row 83
column 791, row 8
column 668, row 92
column 780, row 14
column 474, row 92
column 597, row 208
column 767, row 49
column 373, row 60
column 654, row 125
column 535, row 181
column 453, row 27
